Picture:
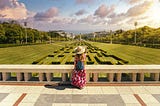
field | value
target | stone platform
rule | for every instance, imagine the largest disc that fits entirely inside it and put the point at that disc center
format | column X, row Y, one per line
column 49, row 95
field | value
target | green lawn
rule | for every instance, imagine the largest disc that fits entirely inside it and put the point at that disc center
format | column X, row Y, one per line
column 133, row 54
column 28, row 54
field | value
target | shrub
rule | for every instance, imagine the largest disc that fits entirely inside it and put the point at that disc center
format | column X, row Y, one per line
column 115, row 57
column 92, row 51
column 56, row 62
column 50, row 55
column 66, row 52
column 104, row 54
column 56, row 51
column 62, row 49
column 69, row 62
column 61, row 55
column 120, row 60
column 90, row 62
column 71, row 47
column 99, row 55
column 102, row 61
column 120, row 63
column 88, row 57
column 37, row 61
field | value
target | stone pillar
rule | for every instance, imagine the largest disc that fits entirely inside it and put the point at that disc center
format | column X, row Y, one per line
column 130, row 75
column 134, row 76
column 95, row 77
column 41, row 77
column 70, row 76
column 119, row 77
column 152, row 75
column 49, row 76
column 156, row 77
column 27, row 76
column 111, row 76
column 19, row 76
column 88, row 77
column 142, row 77
column 64, row 77
column 0, row 76
column 6, row 76
column 138, row 76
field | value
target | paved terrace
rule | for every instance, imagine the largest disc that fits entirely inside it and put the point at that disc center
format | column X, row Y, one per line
column 23, row 91
column 52, row 95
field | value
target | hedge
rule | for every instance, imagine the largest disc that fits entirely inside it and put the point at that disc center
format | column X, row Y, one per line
column 37, row 61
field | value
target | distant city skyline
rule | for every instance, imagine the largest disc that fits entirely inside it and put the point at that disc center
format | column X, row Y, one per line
column 82, row 15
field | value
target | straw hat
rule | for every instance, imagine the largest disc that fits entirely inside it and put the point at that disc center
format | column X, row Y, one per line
column 79, row 50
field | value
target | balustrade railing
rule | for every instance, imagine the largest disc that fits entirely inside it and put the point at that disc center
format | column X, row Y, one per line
column 95, row 73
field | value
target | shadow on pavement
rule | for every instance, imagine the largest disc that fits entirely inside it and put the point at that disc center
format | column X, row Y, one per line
column 60, row 86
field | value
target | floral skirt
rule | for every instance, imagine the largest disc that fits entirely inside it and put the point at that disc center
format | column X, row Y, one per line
column 79, row 78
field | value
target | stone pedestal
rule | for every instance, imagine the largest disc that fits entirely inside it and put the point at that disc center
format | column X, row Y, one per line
column 111, row 76
column 19, row 76
column 70, row 76
column 0, row 76
column 49, row 76
column 41, row 77
column 27, row 76
column 119, row 77
column 142, row 77
column 88, row 77
column 64, row 77
column 6, row 76
column 156, row 77
column 134, row 76
column 95, row 77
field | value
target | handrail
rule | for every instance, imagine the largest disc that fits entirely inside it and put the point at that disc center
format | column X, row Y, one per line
column 113, row 72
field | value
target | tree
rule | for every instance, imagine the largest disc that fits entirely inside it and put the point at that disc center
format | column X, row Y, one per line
column 2, row 34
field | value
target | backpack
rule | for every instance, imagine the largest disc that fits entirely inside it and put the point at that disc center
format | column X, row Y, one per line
column 79, row 65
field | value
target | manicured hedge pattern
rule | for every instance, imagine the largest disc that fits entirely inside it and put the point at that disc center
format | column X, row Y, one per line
column 65, row 55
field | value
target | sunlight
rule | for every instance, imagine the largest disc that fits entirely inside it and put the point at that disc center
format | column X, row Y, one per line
column 154, row 12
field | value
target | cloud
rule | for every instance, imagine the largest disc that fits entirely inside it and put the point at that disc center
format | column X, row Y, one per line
column 63, row 21
column 12, row 9
column 103, row 11
column 89, row 19
column 132, row 1
column 135, row 13
column 47, row 15
column 5, row 4
column 80, row 12
column 140, row 19
column 84, row 1
column 139, row 9
column 2, row 15
column 117, row 18
column 92, row 20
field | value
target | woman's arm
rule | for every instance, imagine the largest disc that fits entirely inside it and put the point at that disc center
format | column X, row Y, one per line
column 75, row 61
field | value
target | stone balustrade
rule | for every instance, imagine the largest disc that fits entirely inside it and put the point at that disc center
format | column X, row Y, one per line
column 95, row 73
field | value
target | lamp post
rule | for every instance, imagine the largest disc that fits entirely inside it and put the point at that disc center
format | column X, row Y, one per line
column 80, row 38
column 135, row 39
column 111, row 36
column 25, row 24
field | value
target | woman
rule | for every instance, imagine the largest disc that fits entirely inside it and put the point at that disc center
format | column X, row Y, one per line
column 79, row 72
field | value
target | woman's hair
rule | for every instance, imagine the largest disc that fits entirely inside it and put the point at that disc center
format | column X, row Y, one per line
column 80, row 56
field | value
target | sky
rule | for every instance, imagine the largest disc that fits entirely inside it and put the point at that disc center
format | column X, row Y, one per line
column 82, row 15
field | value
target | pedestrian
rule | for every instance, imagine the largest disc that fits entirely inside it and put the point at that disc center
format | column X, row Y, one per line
column 79, row 72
